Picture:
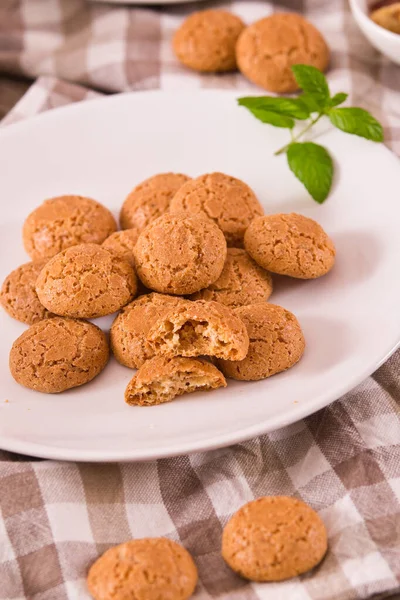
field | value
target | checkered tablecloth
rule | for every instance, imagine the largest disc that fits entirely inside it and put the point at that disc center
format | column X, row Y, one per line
column 56, row 518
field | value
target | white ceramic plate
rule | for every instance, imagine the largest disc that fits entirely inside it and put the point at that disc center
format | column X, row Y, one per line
column 351, row 317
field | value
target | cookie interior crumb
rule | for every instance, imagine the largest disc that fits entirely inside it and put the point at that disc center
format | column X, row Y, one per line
column 197, row 335
column 161, row 380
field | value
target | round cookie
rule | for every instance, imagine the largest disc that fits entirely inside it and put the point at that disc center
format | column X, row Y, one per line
column 206, row 41
column 86, row 282
column 180, row 254
column 65, row 221
column 241, row 282
column 268, row 48
column 57, row 354
column 150, row 199
column 145, row 569
column 224, row 199
column 18, row 294
column 122, row 244
column 290, row 244
column 129, row 330
column 274, row 538
column 276, row 343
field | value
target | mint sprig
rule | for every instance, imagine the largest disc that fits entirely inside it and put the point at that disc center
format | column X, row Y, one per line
column 310, row 162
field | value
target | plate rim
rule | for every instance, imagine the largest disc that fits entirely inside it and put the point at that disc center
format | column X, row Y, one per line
column 237, row 437
column 11, row 444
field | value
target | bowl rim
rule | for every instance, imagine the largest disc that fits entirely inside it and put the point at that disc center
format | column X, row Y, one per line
column 364, row 17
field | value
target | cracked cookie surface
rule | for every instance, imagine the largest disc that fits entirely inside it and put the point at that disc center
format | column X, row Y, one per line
column 276, row 343
column 241, row 282
column 268, row 48
column 200, row 329
column 57, row 354
column 65, row 221
column 180, row 254
column 206, row 41
column 130, row 328
column 86, row 282
column 162, row 379
column 290, row 244
column 18, row 294
column 228, row 201
column 150, row 199
column 122, row 244
column 143, row 569
column 274, row 538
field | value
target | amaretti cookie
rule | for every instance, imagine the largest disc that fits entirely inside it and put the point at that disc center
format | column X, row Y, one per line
column 274, row 538
column 162, row 379
column 276, row 343
column 224, row 199
column 241, row 282
column 122, row 244
column 268, row 48
column 180, row 254
column 86, row 281
column 18, row 294
column 200, row 329
column 144, row 569
column 150, row 199
column 290, row 244
column 206, row 41
column 57, row 354
column 65, row 221
column 131, row 326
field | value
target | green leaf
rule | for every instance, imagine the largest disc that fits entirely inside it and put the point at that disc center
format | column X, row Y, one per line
column 291, row 107
column 357, row 121
column 313, row 82
column 313, row 165
column 272, row 118
column 338, row 99
column 310, row 102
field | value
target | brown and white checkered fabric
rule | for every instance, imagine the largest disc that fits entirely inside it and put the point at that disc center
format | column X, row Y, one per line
column 56, row 518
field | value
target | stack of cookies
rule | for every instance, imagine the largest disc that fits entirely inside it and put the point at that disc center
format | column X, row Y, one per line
column 216, row 41
column 189, row 273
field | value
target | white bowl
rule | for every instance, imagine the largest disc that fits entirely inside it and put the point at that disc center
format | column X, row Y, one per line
column 383, row 40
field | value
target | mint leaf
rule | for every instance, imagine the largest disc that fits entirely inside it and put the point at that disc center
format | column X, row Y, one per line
column 358, row 122
column 313, row 82
column 338, row 99
column 272, row 118
column 310, row 102
column 291, row 107
column 313, row 165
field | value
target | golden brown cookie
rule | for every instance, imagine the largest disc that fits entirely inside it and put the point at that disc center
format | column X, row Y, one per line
column 241, row 282
column 200, row 329
column 65, row 221
column 388, row 17
column 122, row 244
column 85, row 282
column 180, row 254
column 150, row 199
column 162, row 379
column 274, row 538
column 130, row 328
column 18, row 294
column 57, row 354
column 224, row 199
column 146, row 569
column 290, row 244
column 268, row 48
column 206, row 41
column 276, row 343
